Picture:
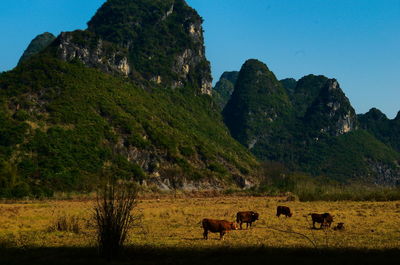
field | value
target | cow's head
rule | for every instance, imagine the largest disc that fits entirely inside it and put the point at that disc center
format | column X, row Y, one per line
column 254, row 216
column 290, row 214
column 233, row 226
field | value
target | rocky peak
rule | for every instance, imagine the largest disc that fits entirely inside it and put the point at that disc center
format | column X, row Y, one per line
column 258, row 100
column 375, row 114
column 160, row 41
column 289, row 84
column 331, row 113
column 38, row 44
column 224, row 88
column 306, row 91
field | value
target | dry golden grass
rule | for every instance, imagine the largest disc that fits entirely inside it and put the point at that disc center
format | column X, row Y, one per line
column 175, row 223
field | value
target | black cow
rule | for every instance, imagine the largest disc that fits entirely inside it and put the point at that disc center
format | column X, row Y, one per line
column 246, row 217
column 283, row 210
column 324, row 219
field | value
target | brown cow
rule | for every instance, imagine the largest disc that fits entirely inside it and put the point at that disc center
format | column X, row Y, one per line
column 324, row 219
column 283, row 210
column 217, row 226
column 246, row 217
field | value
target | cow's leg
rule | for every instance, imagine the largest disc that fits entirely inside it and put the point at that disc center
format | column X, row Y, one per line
column 205, row 234
column 221, row 235
column 278, row 214
column 313, row 224
column 241, row 225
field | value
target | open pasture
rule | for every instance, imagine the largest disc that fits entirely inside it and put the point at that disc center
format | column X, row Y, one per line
column 176, row 223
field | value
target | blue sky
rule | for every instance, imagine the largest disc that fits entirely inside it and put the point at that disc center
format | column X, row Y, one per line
column 354, row 41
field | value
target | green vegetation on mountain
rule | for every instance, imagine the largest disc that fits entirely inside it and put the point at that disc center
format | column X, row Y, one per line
column 315, row 132
column 38, row 44
column 386, row 130
column 258, row 99
column 224, row 88
column 289, row 84
column 132, row 95
column 352, row 156
column 65, row 122
column 306, row 92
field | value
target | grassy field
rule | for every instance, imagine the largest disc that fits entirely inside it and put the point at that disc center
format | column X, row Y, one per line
column 174, row 225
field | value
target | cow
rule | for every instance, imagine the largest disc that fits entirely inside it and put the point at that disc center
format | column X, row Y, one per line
column 217, row 226
column 283, row 210
column 324, row 219
column 339, row 226
column 246, row 217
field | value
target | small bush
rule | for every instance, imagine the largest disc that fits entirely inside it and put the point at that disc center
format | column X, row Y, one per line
column 113, row 216
column 67, row 224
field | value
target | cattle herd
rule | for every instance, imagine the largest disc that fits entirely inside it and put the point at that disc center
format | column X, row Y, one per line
column 248, row 217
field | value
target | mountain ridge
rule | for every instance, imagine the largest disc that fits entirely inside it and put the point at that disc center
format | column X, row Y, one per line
column 319, row 134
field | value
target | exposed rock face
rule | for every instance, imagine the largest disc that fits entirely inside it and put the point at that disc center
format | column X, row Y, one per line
column 331, row 113
column 159, row 41
column 224, row 88
column 38, row 44
column 73, row 46
column 385, row 174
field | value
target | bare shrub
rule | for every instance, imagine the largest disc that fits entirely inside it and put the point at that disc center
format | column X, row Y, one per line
column 113, row 216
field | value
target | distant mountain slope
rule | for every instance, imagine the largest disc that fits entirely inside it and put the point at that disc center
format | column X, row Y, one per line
column 38, row 44
column 309, row 126
column 386, row 130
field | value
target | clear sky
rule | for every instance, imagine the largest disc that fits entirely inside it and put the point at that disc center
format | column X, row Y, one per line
column 354, row 41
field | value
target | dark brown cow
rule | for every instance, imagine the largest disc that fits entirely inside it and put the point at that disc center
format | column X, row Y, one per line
column 246, row 217
column 339, row 226
column 324, row 219
column 217, row 226
column 283, row 210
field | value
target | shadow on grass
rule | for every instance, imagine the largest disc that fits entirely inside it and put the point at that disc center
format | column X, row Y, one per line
column 203, row 256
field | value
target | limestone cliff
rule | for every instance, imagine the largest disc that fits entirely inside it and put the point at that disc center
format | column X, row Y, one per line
column 157, row 41
column 331, row 113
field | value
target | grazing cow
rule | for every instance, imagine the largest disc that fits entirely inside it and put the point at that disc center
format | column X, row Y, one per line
column 339, row 226
column 246, row 217
column 324, row 219
column 217, row 226
column 283, row 210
